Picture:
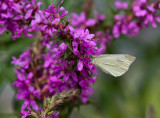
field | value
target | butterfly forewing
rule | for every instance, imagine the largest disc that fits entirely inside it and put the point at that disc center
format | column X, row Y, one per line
column 116, row 64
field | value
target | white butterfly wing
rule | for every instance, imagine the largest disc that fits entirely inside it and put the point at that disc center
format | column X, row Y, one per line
column 113, row 64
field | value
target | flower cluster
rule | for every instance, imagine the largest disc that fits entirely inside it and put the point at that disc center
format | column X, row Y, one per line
column 129, row 23
column 82, row 21
column 59, row 68
column 17, row 15
column 146, row 13
column 121, row 5
column 52, row 66
column 24, row 16
column 124, row 26
column 140, row 16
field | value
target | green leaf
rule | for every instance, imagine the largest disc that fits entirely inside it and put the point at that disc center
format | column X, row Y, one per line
column 69, row 45
column 67, row 53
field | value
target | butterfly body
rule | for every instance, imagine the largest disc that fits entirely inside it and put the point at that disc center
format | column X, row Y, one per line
column 113, row 64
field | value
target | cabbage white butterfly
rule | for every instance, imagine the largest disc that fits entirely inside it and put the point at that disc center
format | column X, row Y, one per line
column 113, row 64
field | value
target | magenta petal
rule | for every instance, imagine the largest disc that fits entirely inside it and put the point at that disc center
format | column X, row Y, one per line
column 2, row 22
column 94, row 71
column 91, row 22
column 31, row 88
column 90, row 36
column 56, row 115
column 157, row 19
column 28, row 34
column 63, row 14
column 60, row 4
column 34, row 105
column 74, row 76
column 28, row 14
column 121, row 5
column 25, row 114
column 38, row 4
column 101, row 17
column 83, row 16
column 63, row 47
column 56, row 21
column 61, row 9
column 84, row 100
column 37, row 18
column 80, row 65
column 152, row 9
column 30, row 75
column 2, row 29
column 18, row 17
column 3, row 6
column 66, row 77
column 25, row 104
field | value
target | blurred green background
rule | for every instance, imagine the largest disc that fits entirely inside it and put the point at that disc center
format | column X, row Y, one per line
column 136, row 94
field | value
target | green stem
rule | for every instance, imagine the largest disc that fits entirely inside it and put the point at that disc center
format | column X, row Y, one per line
column 34, row 114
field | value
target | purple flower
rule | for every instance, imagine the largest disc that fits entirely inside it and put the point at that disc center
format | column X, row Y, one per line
column 2, row 29
column 121, row 5
column 80, row 21
column 99, row 16
column 150, row 18
column 145, row 13
column 23, row 61
column 103, row 39
column 124, row 26
column 63, row 47
column 51, row 13
column 28, row 103
column 16, row 17
column 80, row 65
column 86, row 93
column 138, row 10
column 25, row 113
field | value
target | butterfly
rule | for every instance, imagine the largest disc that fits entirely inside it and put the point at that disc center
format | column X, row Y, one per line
column 113, row 64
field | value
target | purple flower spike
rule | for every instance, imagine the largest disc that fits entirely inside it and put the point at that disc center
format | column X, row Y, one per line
column 60, row 59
